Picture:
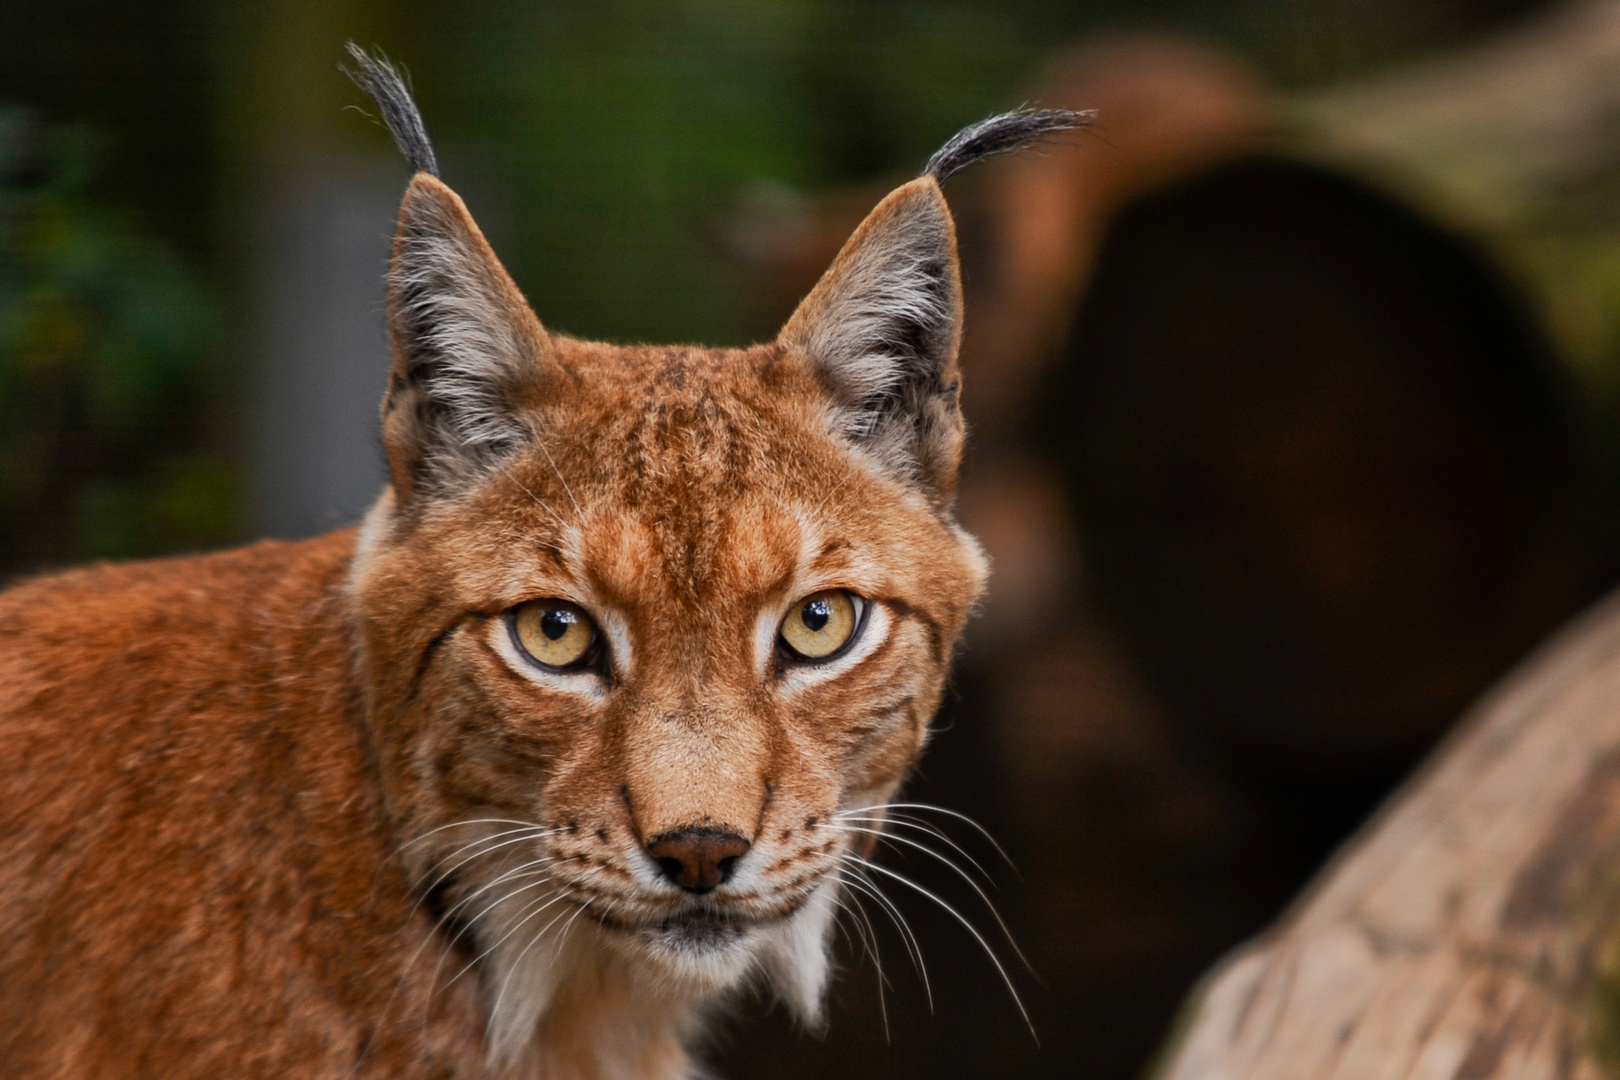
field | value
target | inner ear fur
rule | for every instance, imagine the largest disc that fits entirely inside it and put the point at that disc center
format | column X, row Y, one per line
column 882, row 328
column 468, row 350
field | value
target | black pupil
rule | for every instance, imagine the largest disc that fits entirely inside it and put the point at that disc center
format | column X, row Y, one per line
column 816, row 613
column 555, row 623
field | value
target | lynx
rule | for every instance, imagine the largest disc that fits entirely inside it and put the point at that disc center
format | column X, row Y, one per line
column 580, row 731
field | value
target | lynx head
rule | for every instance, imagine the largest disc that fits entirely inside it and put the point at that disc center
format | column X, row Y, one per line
column 640, row 624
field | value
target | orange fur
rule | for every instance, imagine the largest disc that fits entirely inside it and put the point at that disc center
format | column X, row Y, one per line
column 256, row 808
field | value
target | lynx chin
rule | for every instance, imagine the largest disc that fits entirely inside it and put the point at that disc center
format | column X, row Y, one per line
column 587, row 726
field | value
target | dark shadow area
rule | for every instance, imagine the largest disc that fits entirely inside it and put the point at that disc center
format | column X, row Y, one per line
column 1327, row 487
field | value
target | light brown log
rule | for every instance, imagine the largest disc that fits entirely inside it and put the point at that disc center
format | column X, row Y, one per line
column 1472, row 929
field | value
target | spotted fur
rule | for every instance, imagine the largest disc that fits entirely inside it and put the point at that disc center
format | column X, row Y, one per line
column 306, row 810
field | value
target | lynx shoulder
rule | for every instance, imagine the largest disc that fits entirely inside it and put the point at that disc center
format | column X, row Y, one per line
column 556, row 750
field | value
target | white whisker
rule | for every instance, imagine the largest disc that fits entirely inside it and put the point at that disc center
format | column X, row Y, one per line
column 932, row 809
column 449, row 946
column 517, row 962
column 926, row 829
column 963, row 874
column 860, row 882
column 869, row 946
column 531, row 869
column 464, row 824
column 518, row 835
column 966, row 924
column 532, row 912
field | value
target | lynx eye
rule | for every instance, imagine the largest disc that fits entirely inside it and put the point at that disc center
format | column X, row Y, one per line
column 554, row 633
column 821, row 624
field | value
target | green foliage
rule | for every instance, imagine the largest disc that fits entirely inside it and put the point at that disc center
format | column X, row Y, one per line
column 106, row 346
column 618, row 136
column 613, row 137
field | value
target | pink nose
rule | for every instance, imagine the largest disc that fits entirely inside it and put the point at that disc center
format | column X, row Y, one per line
column 698, row 859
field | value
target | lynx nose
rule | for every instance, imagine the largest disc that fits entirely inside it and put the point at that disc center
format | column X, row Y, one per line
column 698, row 859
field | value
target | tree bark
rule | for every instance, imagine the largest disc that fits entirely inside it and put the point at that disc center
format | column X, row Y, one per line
column 1472, row 929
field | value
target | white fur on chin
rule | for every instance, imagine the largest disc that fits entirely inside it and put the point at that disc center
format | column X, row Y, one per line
column 793, row 955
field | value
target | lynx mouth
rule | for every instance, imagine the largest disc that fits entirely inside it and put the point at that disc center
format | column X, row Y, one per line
column 702, row 946
column 701, row 930
column 695, row 921
column 695, row 930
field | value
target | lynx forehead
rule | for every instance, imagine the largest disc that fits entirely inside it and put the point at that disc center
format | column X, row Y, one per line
column 580, row 731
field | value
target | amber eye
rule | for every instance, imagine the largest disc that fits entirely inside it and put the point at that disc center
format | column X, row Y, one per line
column 554, row 633
column 821, row 624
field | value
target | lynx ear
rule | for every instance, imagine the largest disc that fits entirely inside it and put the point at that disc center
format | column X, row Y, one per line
column 467, row 348
column 882, row 327
column 466, row 345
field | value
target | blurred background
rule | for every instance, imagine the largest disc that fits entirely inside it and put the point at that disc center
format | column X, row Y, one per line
column 1295, row 384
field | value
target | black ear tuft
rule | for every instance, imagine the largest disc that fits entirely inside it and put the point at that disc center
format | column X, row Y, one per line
column 1000, row 134
column 384, row 84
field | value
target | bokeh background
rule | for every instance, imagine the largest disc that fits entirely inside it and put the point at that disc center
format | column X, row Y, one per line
column 1296, row 386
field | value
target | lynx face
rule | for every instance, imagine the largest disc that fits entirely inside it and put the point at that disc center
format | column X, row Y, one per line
column 639, row 623
column 608, row 640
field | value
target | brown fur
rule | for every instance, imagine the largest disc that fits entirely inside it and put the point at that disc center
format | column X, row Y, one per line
column 239, row 785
